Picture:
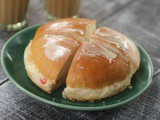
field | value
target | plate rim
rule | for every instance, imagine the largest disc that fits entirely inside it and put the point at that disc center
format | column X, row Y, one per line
column 82, row 108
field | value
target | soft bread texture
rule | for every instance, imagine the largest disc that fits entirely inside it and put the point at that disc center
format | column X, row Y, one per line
column 96, row 63
column 83, row 94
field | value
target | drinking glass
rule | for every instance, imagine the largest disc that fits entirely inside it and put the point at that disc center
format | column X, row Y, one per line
column 13, row 14
column 56, row 9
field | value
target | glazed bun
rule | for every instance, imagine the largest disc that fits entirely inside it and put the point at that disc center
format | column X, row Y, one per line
column 94, row 63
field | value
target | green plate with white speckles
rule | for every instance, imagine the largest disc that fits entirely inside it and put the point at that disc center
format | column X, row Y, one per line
column 13, row 66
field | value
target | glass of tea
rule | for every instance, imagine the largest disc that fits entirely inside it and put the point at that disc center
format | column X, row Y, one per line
column 13, row 14
column 56, row 9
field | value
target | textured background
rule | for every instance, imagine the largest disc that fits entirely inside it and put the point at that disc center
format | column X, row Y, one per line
column 138, row 19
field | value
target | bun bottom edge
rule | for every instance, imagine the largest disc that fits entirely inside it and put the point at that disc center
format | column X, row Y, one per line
column 84, row 94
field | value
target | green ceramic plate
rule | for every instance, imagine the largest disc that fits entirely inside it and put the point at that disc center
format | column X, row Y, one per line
column 13, row 65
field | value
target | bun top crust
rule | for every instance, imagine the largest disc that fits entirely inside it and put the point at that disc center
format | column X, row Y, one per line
column 121, row 45
column 95, row 67
column 70, row 26
column 51, row 52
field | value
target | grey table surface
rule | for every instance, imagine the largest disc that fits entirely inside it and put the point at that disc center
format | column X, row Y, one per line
column 138, row 19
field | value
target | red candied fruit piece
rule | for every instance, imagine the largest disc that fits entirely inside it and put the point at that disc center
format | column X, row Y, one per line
column 43, row 80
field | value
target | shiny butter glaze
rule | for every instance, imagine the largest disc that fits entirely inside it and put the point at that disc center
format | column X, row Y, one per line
column 92, row 50
column 112, row 37
column 94, row 53
column 53, row 48
column 72, row 26
column 69, row 27
column 55, row 52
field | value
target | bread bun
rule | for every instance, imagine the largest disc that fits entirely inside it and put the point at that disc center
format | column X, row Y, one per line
column 95, row 63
